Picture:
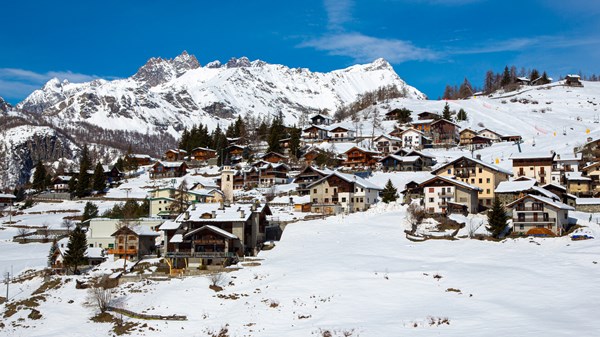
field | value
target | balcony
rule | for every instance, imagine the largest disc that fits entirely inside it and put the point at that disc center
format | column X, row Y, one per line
column 445, row 194
column 207, row 255
column 209, row 242
column 542, row 173
column 122, row 251
column 530, row 209
column 534, row 220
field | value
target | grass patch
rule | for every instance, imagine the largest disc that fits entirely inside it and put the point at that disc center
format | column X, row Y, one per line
column 48, row 285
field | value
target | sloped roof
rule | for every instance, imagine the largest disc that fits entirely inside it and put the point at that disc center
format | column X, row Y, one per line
column 490, row 166
column 453, row 182
column 577, row 176
column 405, row 159
column 532, row 155
column 212, row 228
column 349, row 178
column 547, row 201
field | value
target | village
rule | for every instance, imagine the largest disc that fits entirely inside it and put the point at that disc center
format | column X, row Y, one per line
column 205, row 213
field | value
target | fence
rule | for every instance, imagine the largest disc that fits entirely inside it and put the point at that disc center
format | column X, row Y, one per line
column 133, row 314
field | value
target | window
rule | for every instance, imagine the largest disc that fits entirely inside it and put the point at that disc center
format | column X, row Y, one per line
column 521, row 226
column 481, row 180
column 344, row 199
column 326, row 190
column 487, row 191
column 111, row 245
column 449, row 171
column 488, row 180
column 431, row 190
column 335, row 190
column 472, row 180
column 315, row 200
column 91, row 245
column 480, row 170
column 315, row 190
column 430, row 199
column 521, row 216
column 488, row 202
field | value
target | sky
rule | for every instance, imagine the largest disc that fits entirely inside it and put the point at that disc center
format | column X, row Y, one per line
column 430, row 43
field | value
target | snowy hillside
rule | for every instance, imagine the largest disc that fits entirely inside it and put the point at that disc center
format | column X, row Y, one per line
column 356, row 274
column 167, row 95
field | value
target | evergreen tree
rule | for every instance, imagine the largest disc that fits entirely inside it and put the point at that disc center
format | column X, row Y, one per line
column 403, row 115
column 544, row 79
column 276, row 133
column 39, row 176
column 90, row 210
column 462, row 115
column 99, row 180
column 390, row 193
column 83, row 180
column 446, row 113
column 73, row 185
column 120, row 164
column 535, row 74
column 488, row 85
column 505, row 77
column 465, row 90
column 75, row 255
column 295, row 142
column 53, row 249
column 497, row 218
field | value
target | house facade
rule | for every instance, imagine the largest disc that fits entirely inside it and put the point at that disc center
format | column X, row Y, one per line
column 393, row 162
column 162, row 169
column 444, row 133
column 476, row 173
column 443, row 195
column 358, row 157
column 386, row 144
column 99, row 230
column 132, row 243
column 308, row 176
column 173, row 155
column 203, row 154
column 342, row 193
column 536, row 166
column 536, row 215
column 466, row 136
column 412, row 139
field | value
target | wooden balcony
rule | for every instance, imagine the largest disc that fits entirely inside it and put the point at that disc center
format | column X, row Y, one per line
column 209, row 242
column 534, row 220
column 206, row 255
column 122, row 251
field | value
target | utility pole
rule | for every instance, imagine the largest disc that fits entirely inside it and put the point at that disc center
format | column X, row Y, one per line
column 7, row 282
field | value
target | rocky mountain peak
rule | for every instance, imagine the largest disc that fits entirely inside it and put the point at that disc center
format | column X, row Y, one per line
column 4, row 105
column 242, row 62
column 158, row 70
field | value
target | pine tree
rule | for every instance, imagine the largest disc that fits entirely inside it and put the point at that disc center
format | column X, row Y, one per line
column 446, row 113
column 83, row 180
column 75, row 254
column 90, row 210
column 39, row 176
column 99, row 180
column 51, row 253
column 462, row 115
column 505, row 77
column 535, row 74
column 390, row 193
column 295, row 142
column 403, row 115
column 465, row 90
column 497, row 219
column 488, row 85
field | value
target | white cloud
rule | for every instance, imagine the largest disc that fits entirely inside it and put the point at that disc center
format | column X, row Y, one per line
column 338, row 13
column 363, row 48
column 526, row 43
column 18, row 83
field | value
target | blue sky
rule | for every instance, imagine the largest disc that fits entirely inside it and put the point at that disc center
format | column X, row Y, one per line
column 430, row 43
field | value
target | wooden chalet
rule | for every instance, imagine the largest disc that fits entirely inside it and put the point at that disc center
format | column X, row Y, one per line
column 307, row 176
column 168, row 170
column 444, row 133
column 315, row 132
column 6, row 199
column 309, row 156
column 134, row 243
column 533, row 165
column 273, row 174
column 573, row 81
column 425, row 115
column 320, row 119
column 209, row 234
column 465, row 136
column 339, row 192
column 340, row 133
column 274, row 157
column 203, row 154
column 60, row 183
column 423, row 125
column 140, row 159
column 175, row 155
column 393, row 162
column 393, row 115
column 493, row 135
column 357, row 157
column 112, row 174
column 445, row 195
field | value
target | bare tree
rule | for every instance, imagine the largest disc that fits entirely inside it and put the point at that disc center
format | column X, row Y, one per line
column 99, row 295
column 414, row 215
column 68, row 224
column 22, row 233
column 472, row 226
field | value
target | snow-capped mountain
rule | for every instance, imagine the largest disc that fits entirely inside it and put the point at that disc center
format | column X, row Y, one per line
column 4, row 105
column 166, row 95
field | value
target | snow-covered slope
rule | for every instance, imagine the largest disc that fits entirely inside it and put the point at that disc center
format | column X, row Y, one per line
column 167, row 95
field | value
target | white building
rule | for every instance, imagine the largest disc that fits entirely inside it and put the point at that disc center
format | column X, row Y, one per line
column 412, row 138
column 100, row 230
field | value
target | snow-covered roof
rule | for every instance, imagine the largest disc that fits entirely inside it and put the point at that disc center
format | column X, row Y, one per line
column 170, row 163
column 577, row 176
column 514, row 186
column 7, row 196
column 363, row 149
column 144, row 231
column 423, row 121
column 226, row 214
column 532, row 155
column 453, row 181
column 349, row 178
column 548, row 201
column 573, row 76
column 95, row 253
column 403, row 159
column 169, row 225
column 204, row 149
column 477, row 161
column 296, row 199
column 556, row 186
column 568, row 157
column 177, row 238
column 211, row 228
column 387, row 137
column 587, row 201
column 140, row 156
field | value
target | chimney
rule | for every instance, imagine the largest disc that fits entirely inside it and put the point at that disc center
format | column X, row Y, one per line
column 242, row 214
column 221, row 205
column 478, row 156
column 214, row 214
column 187, row 215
